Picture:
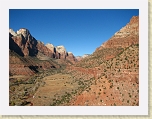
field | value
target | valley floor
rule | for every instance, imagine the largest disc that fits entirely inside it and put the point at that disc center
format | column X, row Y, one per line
column 56, row 86
column 64, row 88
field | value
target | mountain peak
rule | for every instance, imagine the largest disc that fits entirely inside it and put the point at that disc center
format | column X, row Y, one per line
column 60, row 48
column 85, row 55
column 49, row 45
column 11, row 31
column 70, row 53
column 126, row 36
column 134, row 19
column 25, row 32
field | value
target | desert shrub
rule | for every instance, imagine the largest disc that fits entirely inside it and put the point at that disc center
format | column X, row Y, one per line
column 12, row 88
column 111, row 86
column 12, row 103
column 24, row 103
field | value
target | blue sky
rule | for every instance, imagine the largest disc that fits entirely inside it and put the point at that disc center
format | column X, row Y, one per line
column 80, row 31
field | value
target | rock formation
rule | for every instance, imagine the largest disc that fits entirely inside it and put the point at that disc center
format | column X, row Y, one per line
column 44, row 50
column 53, row 49
column 71, row 57
column 29, row 46
column 125, row 37
column 25, row 41
column 62, row 52
column 12, row 32
column 50, row 46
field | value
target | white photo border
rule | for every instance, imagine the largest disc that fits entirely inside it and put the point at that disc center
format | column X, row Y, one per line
column 142, row 109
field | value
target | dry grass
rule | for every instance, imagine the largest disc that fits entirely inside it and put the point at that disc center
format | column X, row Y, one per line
column 55, row 86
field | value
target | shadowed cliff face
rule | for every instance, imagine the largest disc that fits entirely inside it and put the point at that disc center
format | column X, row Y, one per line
column 44, row 50
column 25, row 41
column 14, row 47
column 71, row 57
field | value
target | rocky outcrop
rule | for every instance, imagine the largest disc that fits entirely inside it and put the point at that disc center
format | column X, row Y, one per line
column 125, row 37
column 62, row 52
column 25, row 41
column 53, row 49
column 71, row 57
column 24, row 32
column 44, row 50
column 50, row 46
column 12, row 32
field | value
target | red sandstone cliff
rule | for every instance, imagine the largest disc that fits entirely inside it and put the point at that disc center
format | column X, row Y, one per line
column 125, row 37
column 27, row 45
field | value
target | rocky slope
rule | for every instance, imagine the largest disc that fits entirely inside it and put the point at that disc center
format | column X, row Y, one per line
column 53, row 49
column 71, row 57
column 125, row 37
column 79, row 58
column 19, row 65
column 115, row 67
column 112, row 79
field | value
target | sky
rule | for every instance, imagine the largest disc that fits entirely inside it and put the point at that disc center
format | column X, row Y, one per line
column 80, row 31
